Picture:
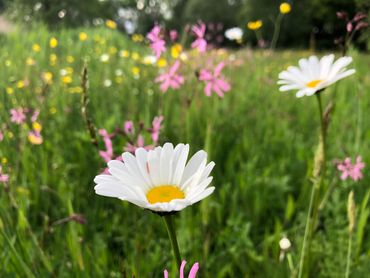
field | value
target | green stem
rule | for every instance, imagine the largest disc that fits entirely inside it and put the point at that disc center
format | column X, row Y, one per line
column 313, row 206
column 306, row 232
column 349, row 255
column 168, row 219
column 275, row 37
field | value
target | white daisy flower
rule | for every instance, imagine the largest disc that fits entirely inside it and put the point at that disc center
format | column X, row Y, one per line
column 104, row 58
column 160, row 179
column 313, row 74
column 234, row 34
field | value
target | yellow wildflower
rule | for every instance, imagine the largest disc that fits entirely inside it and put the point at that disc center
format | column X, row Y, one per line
column 75, row 90
column 70, row 59
column 176, row 50
column 137, row 38
column 30, row 61
column 135, row 56
column 53, row 59
column 111, row 24
column 36, row 126
column 67, row 79
column 82, row 36
column 285, row 8
column 254, row 25
column 135, row 70
column 20, row 84
column 112, row 50
column 4, row 160
column 47, row 77
column 162, row 62
column 124, row 53
column 36, row 47
column 53, row 42
column 9, row 90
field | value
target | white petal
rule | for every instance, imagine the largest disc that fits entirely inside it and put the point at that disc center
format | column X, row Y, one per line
column 325, row 65
column 208, row 170
column 290, row 87
column 166, row 164
column 132, row 167
column 154, row 165
column 142, row 163
column 203, row 195
column 192, row 166
column 180, row 161
column 196, row 190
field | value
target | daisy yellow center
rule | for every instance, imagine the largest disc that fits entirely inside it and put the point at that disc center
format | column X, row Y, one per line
column 164, row 194
column 313, row 83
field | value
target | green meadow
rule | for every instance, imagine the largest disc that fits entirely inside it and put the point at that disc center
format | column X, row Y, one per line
column 52, row 224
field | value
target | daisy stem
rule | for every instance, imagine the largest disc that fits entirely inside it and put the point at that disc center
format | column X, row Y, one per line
column 306, row 232
column 168, row 219
column 317, row 181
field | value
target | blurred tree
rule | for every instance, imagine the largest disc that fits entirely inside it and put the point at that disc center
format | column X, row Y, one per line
column 59, row 13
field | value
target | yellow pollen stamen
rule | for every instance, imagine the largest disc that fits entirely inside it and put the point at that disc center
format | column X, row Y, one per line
column 313, row 83
column 164, row 194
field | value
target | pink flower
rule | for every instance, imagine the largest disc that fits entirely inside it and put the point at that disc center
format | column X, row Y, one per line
column 18, row 115
column 214, row 81
column 108, row 153
column 4, row 178
column 200, row 43
column 192, row 273
column 351, row 170
column 35, row 115
column 170, row 78
column 156, row 127
column 129, row 127
column 173, row 35
column 157, row 44
column 1, row 136
column 139, row 144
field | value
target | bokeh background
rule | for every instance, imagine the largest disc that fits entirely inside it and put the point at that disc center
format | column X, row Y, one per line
column 52, row 224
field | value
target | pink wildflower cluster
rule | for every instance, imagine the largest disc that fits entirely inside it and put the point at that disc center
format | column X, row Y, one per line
column 214, row 81
column 19, row 115
column 157, row 44
column 192, row 273
column 351, row 170
column 23, row 115
column 356, row 23
column 134, row 139
column 171, row 78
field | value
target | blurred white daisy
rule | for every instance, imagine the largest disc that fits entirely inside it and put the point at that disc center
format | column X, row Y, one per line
column 234, row 34
column 149, row 60
column 118, row 72
column 107, row 83
column 160, row 179
column 104, row 58
column 313, row 74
